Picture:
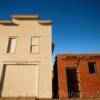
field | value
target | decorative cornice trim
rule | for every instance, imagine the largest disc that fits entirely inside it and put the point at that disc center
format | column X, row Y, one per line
column 24, row 17
column 7, row 23
column 45, row 22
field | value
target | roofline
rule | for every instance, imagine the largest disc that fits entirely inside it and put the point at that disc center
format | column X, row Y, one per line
column 3, row 21
column 87, row 54
column 25, row 17
column 7, row 22
column 45, row 22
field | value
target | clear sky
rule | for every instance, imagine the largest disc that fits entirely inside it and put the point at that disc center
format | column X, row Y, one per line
column 76, row 23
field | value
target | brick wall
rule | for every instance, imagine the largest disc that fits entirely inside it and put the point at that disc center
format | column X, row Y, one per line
column 89, row 84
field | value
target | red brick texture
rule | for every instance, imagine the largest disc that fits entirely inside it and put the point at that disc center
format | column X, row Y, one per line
column 89, row 84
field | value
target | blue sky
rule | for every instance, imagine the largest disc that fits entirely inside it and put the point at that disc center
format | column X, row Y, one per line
column 76, row 23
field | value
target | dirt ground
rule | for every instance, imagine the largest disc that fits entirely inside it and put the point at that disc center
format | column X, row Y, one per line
column 31, row 98
column 18, row 98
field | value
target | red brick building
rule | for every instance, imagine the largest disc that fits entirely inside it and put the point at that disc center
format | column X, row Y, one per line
column 76, row 75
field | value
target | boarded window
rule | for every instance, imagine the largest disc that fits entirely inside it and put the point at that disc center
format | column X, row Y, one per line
column 92, row 67
column 11, row 45
column 34, row 45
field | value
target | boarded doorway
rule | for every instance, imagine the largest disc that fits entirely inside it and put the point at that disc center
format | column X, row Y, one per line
column 73, row 83
column 20, row 81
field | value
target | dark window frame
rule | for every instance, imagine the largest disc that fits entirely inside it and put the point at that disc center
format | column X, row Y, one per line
column 10, row 45
column 92, row 68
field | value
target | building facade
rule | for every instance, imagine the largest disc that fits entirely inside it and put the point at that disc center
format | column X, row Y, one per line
column 25, row 57
column 76, row 75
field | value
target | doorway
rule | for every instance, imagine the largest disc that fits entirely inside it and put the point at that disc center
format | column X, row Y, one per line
column 73, row 83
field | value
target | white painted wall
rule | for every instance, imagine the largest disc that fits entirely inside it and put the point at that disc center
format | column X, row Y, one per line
column 23, row 33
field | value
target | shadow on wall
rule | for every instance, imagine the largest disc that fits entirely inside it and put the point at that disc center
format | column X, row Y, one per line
column 55, row 81
column 2, row 79
column 53, row 46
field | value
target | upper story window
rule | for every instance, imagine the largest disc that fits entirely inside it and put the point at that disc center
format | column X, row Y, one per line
column 92, row 67
column 34, row 44
column 11, row 45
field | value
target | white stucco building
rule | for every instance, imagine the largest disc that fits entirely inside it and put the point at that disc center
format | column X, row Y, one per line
column 25, row 57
